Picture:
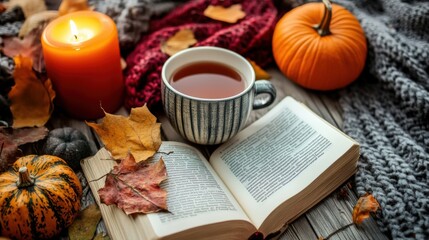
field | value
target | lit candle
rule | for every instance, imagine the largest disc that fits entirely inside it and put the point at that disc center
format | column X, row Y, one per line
column 82, row 58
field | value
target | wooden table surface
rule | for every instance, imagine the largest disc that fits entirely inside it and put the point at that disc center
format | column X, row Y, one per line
column 331, row 214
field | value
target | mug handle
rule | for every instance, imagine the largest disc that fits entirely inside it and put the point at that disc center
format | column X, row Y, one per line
column 261, row 87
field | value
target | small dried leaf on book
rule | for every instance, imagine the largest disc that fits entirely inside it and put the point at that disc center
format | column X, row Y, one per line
column 181, row 40
column 259, row 72
column 365, row 205
column 30, row 98
column 230, row 15
column 85, row 224
column 134, row 187
column 139, row 134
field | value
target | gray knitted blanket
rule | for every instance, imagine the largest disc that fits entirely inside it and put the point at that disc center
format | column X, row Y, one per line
column 387, row 111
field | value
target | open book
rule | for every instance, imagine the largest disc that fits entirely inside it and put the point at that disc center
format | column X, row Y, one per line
column 259, row 181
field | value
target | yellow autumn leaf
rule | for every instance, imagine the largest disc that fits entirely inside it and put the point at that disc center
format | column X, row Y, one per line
column 138, row 134
column 68, row 6
column 259, row 72
column 365, row 205
column 230, row 15
column 181, row 40
column 29, row 7
column 85, row 224
column 2, row 9
column 37, row 20
column 31, row 99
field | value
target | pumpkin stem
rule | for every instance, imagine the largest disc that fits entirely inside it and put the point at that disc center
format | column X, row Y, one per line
column 24, row 178
column 323, row 27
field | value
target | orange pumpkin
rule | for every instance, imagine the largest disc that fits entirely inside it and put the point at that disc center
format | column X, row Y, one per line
column 39, row 196
column 320, row 46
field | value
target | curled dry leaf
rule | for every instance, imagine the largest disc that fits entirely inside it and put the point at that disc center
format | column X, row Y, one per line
column 365, row 205
column 259, row 72
column 68, row 6
column 29, row 7
column 2, row 8
column 11, row 139
column 30, row 98
column 29, row 47
column 101, row 236
column 230, row 15
column 134, row 187
column 183, row 39
column 36, row 20
column 139, row 134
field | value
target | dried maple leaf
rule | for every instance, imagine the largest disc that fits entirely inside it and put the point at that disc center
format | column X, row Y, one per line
column 139, row 134
column 11, row 139
column 29, row 7
column 85, row 224
column 182, row 39
column 30, row 98
column 101, row 236
column 230, row 15
column 259, row 72
column 36, row 20
column 29, row 47
column 2, row 7
column 134, row 187
column 365, row 205
column 68, row 6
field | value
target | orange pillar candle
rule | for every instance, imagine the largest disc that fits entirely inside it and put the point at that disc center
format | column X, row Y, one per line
column 82, row 58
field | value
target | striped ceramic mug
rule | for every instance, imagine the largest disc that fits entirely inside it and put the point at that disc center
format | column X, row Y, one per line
column 212, row 121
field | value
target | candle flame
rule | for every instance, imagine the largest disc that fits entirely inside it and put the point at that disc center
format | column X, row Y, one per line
column 73, row 29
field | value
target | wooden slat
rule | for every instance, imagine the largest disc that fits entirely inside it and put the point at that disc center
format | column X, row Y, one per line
column 333, row 213
column 300, row 229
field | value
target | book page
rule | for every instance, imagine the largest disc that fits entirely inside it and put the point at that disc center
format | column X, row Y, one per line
column 277, row 156
column 196, row 196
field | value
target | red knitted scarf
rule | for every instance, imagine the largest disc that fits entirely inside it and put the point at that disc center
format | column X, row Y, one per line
column 250, row 37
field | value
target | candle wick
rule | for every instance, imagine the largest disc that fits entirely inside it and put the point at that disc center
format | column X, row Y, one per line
column 75, row 36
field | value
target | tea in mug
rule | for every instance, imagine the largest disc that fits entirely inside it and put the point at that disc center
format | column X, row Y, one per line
column 210, row 80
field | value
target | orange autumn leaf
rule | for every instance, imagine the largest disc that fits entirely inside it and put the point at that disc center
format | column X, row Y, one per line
column 181, row 40
column 230, row 15
column 259, row 72
column 365, row 205
column 68, row 6
column 30, row 98
column 138, row 134
column 2, row 8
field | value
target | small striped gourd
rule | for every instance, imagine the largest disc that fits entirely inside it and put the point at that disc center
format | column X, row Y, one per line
column 39, row 197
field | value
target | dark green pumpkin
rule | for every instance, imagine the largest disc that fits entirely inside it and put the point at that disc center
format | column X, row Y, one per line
column 39, row 197
column 69, row 144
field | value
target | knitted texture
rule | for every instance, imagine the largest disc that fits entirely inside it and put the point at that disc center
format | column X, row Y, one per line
column 11, row 22
column 132, row 16
column 387, row 111
column 250, row 37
